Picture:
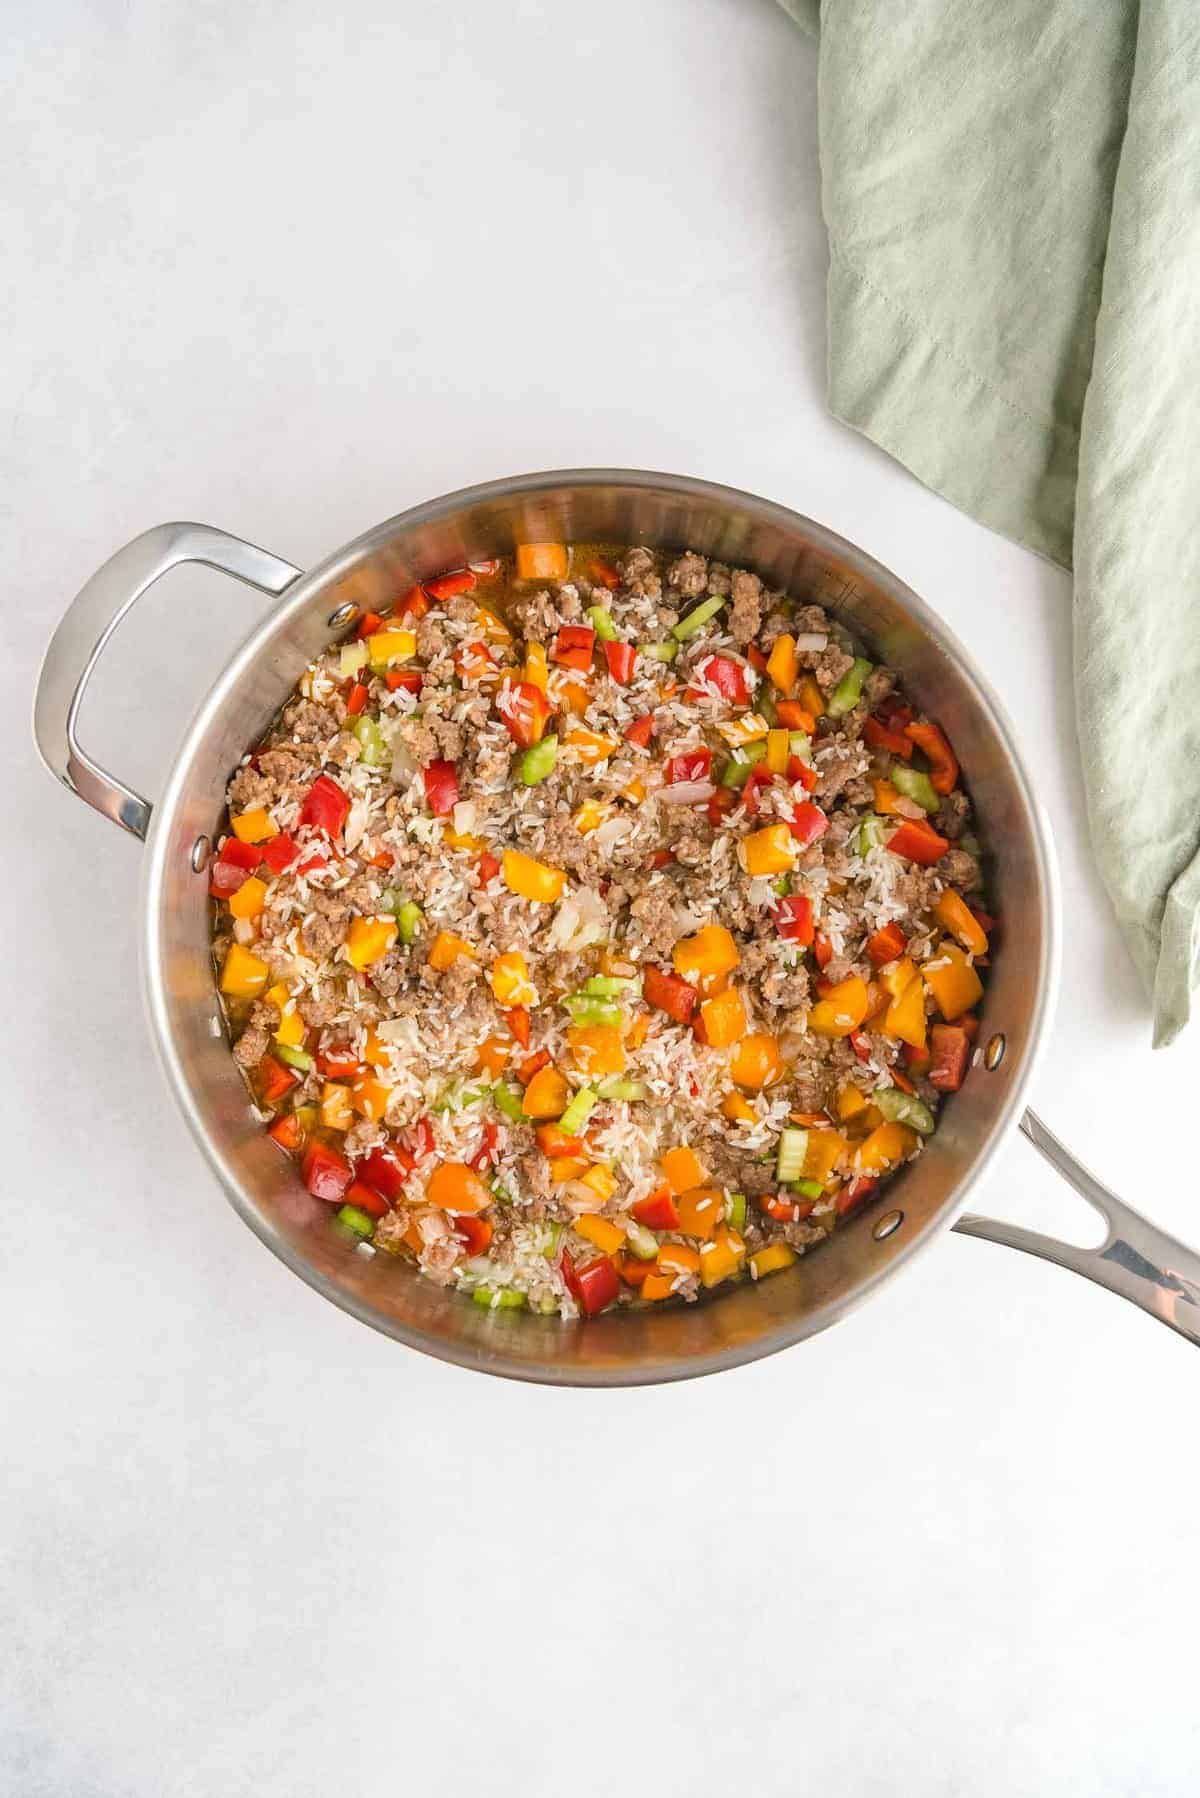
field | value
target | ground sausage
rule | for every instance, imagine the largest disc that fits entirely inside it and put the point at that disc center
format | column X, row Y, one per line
column 688, row 575
column 252, row 1045
column 745, row 613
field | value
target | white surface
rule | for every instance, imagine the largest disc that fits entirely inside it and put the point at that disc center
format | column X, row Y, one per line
column 289, row 269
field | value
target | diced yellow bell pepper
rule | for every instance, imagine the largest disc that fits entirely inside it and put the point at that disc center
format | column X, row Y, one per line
column 589, row 746
column 243, row 976
column 721, row 1257
column 782, row 665
column 850, row 1102
column 606, row 1235
column 492, row 626
column 825, row 1150
column 463, row 839
column 279, row 995
column 736, row 1109
column 602, row 1181
column 897, row 976
column 336, row 1110
column 679, row 1258
column 768, row 851
column 681, row 1169
column 531, row 879
column 445, row 950
column 885, row 1148
column 249, row 899
column 537, row 671
column 566, row 1167
column 749, row 728
column 952, row 980
column 953, row 912
column 597, row 1049
column 369, row 939
column 590, row 816
column 778, row 750
column 811, row 696
column 769, row 1260
column 842, row 1010
column 905, row 1016
column 291, row 1029
column 635, row 792
column 509, row 980
column 711, row 951
column 369, row 1098
column 253, row 826
column 391, row 646
column 700, row 1211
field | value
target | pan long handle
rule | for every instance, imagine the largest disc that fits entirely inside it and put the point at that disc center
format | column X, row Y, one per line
column 1136, row 1259
column 89, row 622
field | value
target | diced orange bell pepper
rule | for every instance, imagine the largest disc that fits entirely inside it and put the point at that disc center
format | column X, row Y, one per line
column 886, row 1147
column 537, row 671
column 453, row 1186
column 546, row 1095
column 811, row 696
column 825, row 1150
column 445, row 950
column 541, row 561
column 769, row 1260
column 509, row 979
column 782, row 666
column 711, row 951
column 531, row 879
column 590, row 816
column 850, row 1102
column 573, row 697
column 887, row 798
column 905, row 1016
column 597, row 1049
column 722, row 1256
column 943, row 772
column 682, row 1169
column 369, row 939
column 638, row 1030
column 735, row 1108
column 243, row 976
column 700, row 1211
column 658, row 1285
column 254, row 826
column 369, row 1097
column 375, row 1050
column 723, row 1020
column 842, row 1009
column 768, row 851
column 249, row 899
column 492, row 626
column 951, row 911
column 756, row 1062
column 291, row 1032
column 601, row 1231
column 952, row 980
column 491, row 1057
column 590, row 746
column 567, row 1167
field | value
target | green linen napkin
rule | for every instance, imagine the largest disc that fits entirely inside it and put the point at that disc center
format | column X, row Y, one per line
column 1012, row 193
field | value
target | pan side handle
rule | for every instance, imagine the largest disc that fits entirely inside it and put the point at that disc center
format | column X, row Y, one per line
column 1137, row 1259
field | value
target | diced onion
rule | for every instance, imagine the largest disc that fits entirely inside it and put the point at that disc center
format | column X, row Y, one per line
column 812, row 640
column 688, row 792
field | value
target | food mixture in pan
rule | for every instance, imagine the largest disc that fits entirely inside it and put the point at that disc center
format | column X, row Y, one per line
column 598, row 928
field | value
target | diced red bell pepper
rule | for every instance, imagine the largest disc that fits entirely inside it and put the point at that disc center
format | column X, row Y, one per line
column 385, row 1170
column 338, row 1063
column 887, row 944
column 486, row 868
column 518, row 1022
column 854, row 1194
column 274, row 1080
column 525, row 711
column 407, row 680
column 889, row 738
column 801, row 773
column 357, row 701
column 822, row 949
column 919, row 842
column 661, row 858
column 474, row 1232
column 414, row 605
column 445, row 586
column 326, row 807
column 786, row 1210
column 757, row 659
column 605, row 575
column 950, row 1051
column 621, row 659
column 287, row 1131
column 693, row 764
column 418, row 1138
column 554, row 1142
column 902, row 1081
column 633, row 1271
column 233, row 867
column 473, row 661
column 366, row 1199
column 325, row 1173
column 808, row 822
column 723, row 801
column 659, row 1211
column 594, row 1285
column 915, row 1058
column 984, row 919
column 441, row 787
column 533, row 1064
column 573, row 647
column 485, row 1154
column 893, row 712
column 669, row 993
column 860, row 1044
column 726, row 675
column 280, row 852
column 382, row 858
column 943, row 763
column 641, row 731
column 794, row 919
column 756, row 780
column 368, row 624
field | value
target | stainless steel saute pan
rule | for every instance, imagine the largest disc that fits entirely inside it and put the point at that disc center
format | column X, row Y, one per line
column 1137, row 1260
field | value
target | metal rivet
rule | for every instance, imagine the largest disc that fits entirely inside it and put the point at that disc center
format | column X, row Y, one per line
column 993, row 1055
column 889, row 1222
column 201, row 850
column 343, row 615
